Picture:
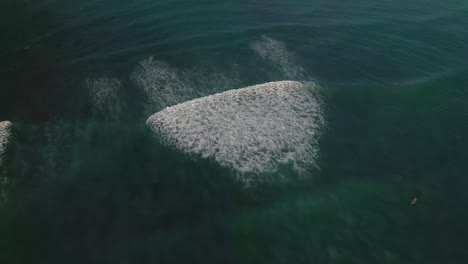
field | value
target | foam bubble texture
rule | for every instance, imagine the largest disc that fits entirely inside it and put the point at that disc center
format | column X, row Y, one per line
column 252, row 130
column 165, row 85
column 4, row 137
column 160, row 82
column 104, row 94
column 276, row 53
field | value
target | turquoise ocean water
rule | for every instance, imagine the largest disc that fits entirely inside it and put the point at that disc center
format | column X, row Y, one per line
column 84, row 179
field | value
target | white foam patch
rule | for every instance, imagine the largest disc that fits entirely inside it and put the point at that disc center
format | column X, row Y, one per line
column 277, row 54
column 252, row 130
column 160, row 82
column 5, row 135
column 104, row 94
column 165, row 85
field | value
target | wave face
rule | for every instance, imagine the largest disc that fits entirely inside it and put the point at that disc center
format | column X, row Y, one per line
column 4, row 137
column 251, row 130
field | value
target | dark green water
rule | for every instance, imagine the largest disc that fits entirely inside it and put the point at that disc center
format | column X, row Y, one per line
column 89, row 186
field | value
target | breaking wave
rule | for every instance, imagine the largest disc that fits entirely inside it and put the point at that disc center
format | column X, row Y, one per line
column 251, row 130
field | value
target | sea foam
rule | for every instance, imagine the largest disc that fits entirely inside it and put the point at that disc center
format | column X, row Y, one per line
column 5, row 135
column 164, row 85
column 251, row 130
column 160, row 82
column 104, row 94
column 276, row 53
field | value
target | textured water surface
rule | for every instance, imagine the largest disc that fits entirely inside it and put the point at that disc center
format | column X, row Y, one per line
column 243, row 131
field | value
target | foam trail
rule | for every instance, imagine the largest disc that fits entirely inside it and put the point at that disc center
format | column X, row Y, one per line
column 5, row 135
column 104, row 94
column 160, row 82
column 277, row 54
column 165, row 85
column 252, row 130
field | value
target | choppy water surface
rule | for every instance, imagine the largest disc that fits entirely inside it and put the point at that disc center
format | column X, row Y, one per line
column 127, row 136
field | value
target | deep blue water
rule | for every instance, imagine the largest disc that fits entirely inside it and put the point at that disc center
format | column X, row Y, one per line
column 90, row 183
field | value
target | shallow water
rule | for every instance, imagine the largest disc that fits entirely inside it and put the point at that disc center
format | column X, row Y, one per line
column 84, row 180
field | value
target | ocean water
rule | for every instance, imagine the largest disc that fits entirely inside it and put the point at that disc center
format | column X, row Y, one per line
column 360, row 158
